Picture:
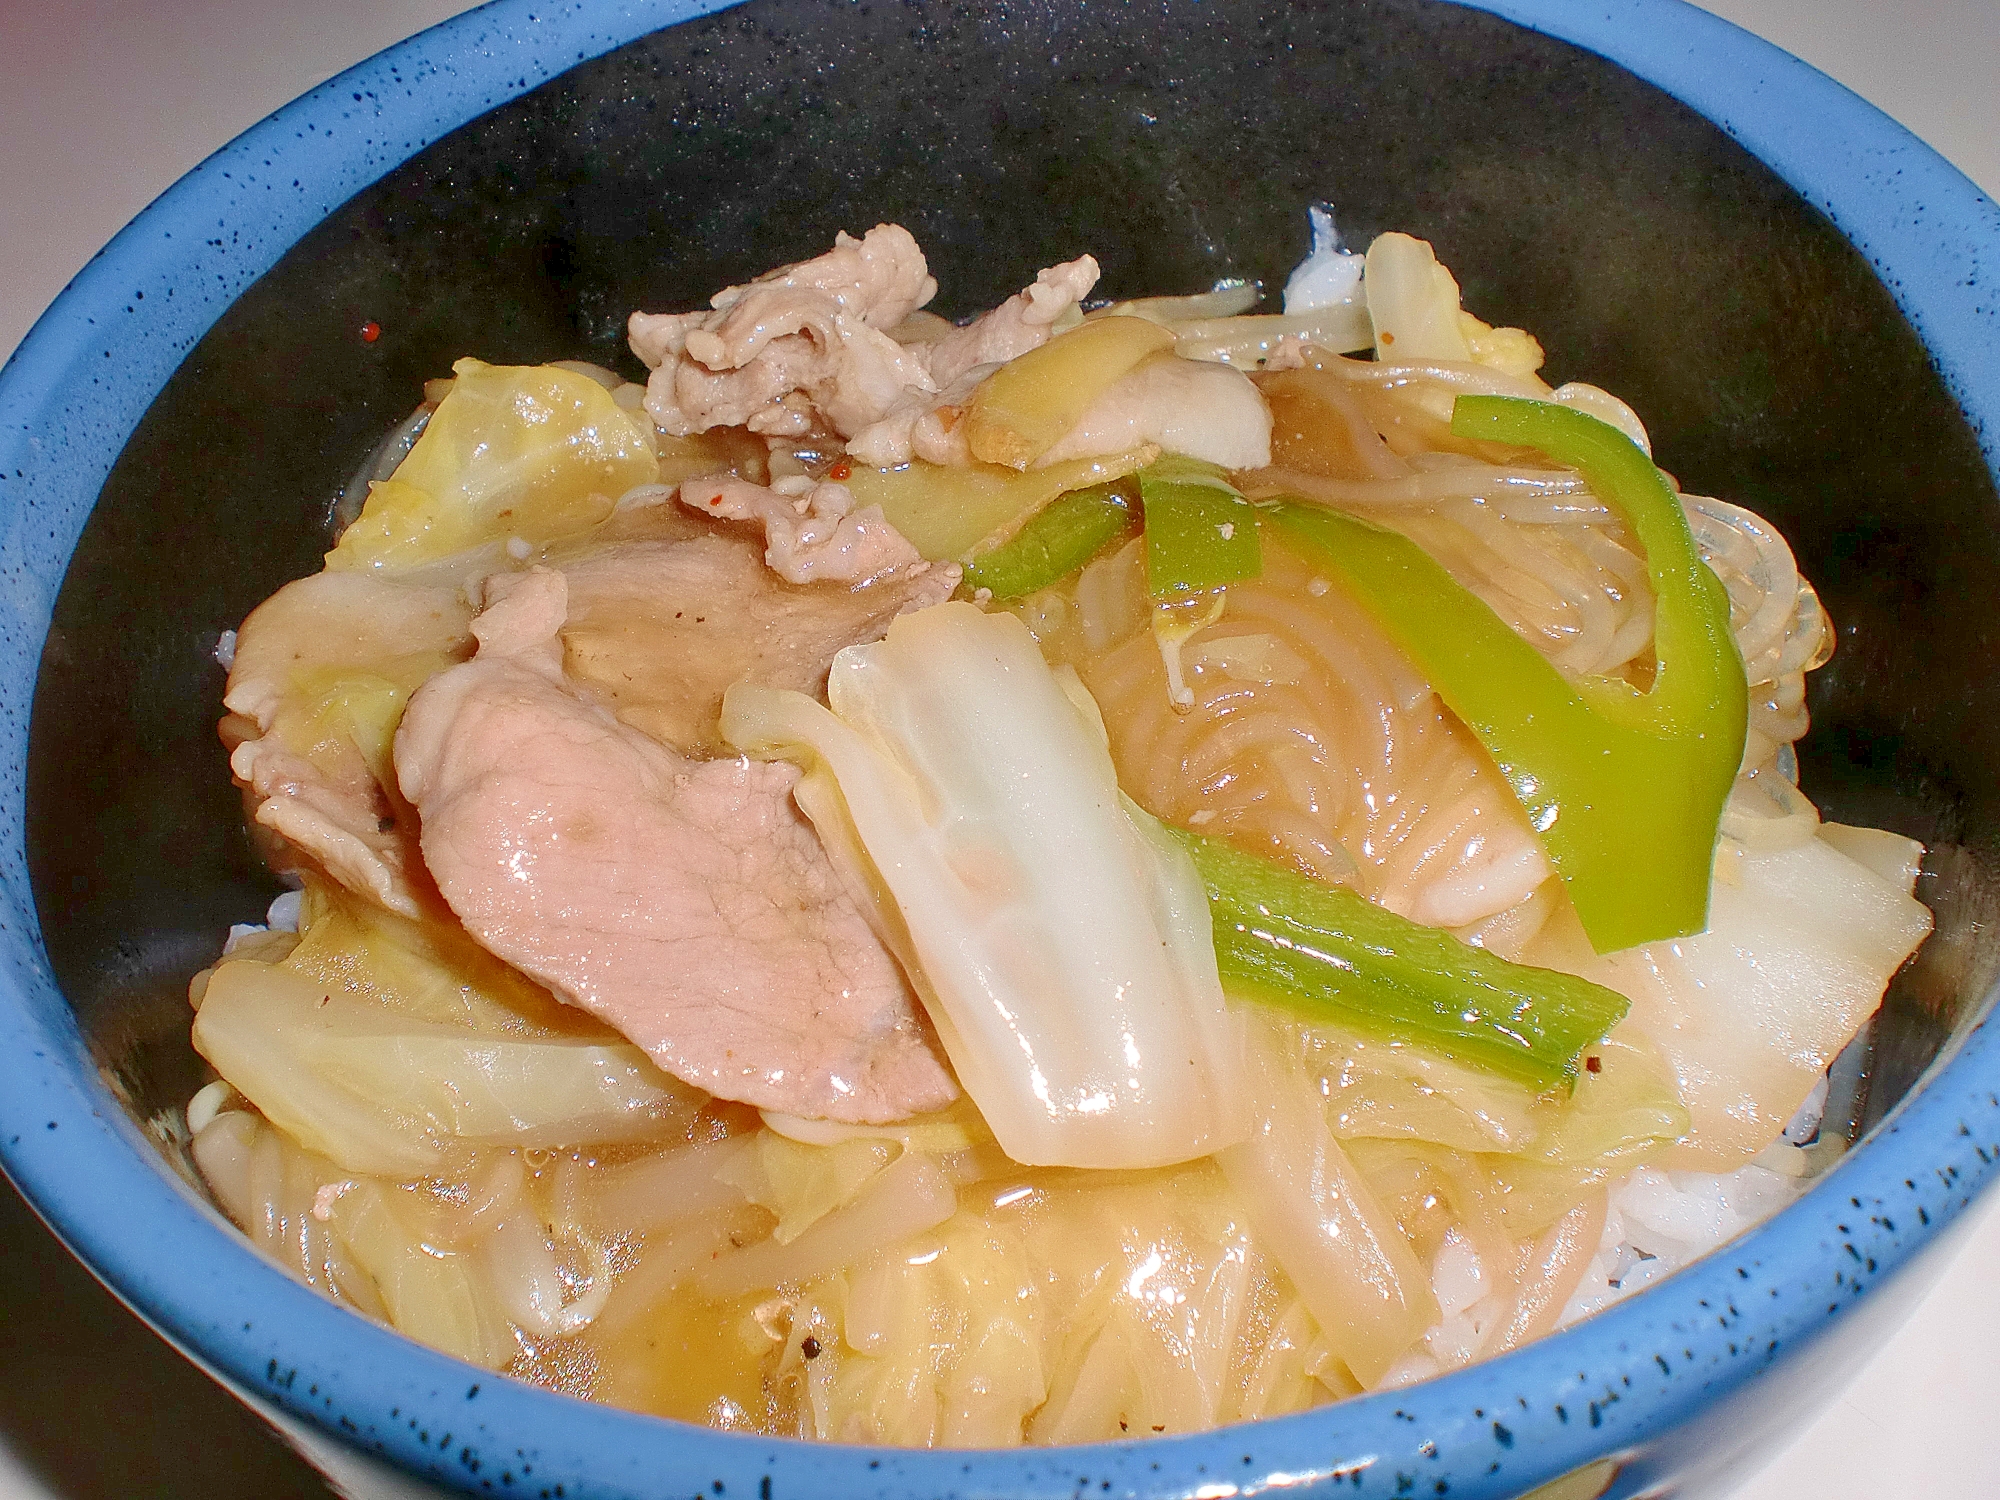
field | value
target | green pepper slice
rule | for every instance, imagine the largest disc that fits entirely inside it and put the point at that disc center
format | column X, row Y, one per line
column 1324, row 952
column 1625, row 787
column 1200, row 531
column 1054, row 542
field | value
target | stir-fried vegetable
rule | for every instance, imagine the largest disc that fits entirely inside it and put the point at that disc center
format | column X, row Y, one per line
column 1321, row 950
column 1200, row 531
column 1200, row 534
column 377, row 1090
column 1417, row 319
column 1394, row 1153
column 1625, row 786
column 1749, row 1012
column 1315, row 1214
column 1025, row 407
column 949, row 511
column 1413, row 302
column 535, row 452
column 1057, row 936
column 1054, row 543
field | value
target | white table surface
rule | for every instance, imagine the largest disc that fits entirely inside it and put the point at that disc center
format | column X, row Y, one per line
column 104, row 103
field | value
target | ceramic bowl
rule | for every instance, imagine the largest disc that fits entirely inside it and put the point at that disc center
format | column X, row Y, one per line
column 1797, row 295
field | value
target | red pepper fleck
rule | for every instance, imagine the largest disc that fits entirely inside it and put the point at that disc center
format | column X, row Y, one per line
column 1593, row 1064
column 841, row 470
column 370, row 332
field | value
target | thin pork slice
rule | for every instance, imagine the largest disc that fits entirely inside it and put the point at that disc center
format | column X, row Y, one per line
column 923, row 423
column 320, row 671
column 687, row 903
column 812, row 532
column 803, row 338
column 658, row 631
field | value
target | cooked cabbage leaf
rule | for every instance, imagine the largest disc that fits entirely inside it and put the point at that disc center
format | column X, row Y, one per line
column 529, row 451
column 946, row 512
column 1800, row 944
column 387, row 1058
column 1059, row 938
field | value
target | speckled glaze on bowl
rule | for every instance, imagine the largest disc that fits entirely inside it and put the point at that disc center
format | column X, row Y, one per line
column 1792, row 290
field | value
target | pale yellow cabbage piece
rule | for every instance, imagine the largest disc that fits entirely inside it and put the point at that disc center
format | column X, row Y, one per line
column 958, row 1127
column 534, row 452
column 1801, row 942
column 387, row 1058
column 1060, row 941
column 1072, row 1307
column 429, row 970
column 1025, row 407
column 1624, row 1110
column 803, row 1184
column 335, row 709
column 439, row 1299
column 1414, row 302
column 947, row 511
column 1316, row 1214
column 1391, row 1091
column 1625, row 1113
column 378, row 1092
column 363, row 1241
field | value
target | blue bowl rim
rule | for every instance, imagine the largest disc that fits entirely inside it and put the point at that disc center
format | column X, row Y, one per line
column 78, row 385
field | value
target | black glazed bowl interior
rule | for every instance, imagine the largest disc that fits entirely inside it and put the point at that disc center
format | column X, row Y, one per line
column 1179, row 143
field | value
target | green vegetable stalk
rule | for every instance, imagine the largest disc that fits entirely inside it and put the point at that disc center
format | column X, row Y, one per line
column 1326, row 952
column 1054, row 542
column 1200, row 533
column 1625, row 787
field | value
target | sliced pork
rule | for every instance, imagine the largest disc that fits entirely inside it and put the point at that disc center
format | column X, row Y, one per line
column 658, row 630
column 812, row 532
column 809, row 346
column 321, row 669
column 1023, row 322
column 924, row 423
column 685, row 902
column 815, row 329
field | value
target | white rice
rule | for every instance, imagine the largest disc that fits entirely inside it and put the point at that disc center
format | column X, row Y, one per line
column 1659, row 1221
column 1656, row 1222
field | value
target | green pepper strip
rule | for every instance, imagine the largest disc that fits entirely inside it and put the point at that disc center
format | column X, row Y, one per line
column 1200, row 532
column 1326, row 953
column 1054, row 542
column 1625, row 787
